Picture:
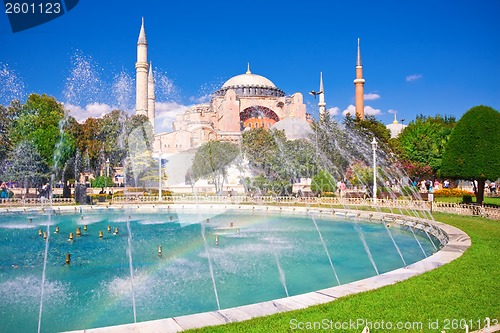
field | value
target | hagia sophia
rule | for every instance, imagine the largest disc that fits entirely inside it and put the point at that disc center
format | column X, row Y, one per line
column 245, row 101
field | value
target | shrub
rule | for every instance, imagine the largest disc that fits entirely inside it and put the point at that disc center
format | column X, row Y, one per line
column 167, row 193
column 467, row 199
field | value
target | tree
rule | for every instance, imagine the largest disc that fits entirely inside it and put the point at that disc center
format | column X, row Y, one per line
column 323, row 182
column 473, row 150
column 26, row 166
column 422, row 144
column 140, row 161
column 102, row 182
column 282, row 162
column 368, row 128
column 360, row 174
column 261, row 147
column 213, row 159
column 111, row 133
column 38, row 122
column 330, row 144
column 5, row 129
column 299, row 158
column 90, row 144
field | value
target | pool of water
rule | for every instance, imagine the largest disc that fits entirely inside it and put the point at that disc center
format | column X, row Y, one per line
column 258, row 257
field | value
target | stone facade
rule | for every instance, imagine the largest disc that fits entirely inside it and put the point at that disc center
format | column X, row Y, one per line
column 245, row 101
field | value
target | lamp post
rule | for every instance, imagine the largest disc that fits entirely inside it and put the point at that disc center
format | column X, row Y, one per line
column 374, row 148
column 159, row 177
column 107, row 167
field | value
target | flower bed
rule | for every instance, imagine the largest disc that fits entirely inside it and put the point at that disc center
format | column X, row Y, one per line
column 451, row 192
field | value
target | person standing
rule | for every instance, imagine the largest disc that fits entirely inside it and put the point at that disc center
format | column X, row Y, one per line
column 493, row 188
column 5, row 191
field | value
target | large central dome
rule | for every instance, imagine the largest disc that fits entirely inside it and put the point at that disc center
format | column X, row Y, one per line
column 249, row 80
column 249, row 84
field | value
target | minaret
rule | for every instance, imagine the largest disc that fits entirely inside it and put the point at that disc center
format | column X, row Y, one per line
column 359, row 84
column 151, row 96
column 141, row 74
column 321, row 92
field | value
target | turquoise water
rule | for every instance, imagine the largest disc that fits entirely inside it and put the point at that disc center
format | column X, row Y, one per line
column 95, row 289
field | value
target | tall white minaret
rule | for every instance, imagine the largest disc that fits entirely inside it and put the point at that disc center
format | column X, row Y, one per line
column 321, row 92
column 151, row 96
column 141, row 74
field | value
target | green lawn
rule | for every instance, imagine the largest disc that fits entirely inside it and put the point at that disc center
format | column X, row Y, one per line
column 486, row 201
column 467, row 289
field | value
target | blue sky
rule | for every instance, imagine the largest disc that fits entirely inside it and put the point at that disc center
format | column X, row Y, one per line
column 419, row 57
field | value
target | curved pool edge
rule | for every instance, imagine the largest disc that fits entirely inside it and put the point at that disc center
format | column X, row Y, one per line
column 457, row 242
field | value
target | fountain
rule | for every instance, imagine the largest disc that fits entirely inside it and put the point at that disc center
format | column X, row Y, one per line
column 102, row 285
column 183, row 258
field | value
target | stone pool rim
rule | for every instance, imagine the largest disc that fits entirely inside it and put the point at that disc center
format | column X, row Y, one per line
column 456, row 243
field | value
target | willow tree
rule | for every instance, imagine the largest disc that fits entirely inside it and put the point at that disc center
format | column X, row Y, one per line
column 473, row 150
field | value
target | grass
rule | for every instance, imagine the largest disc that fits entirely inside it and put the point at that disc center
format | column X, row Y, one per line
column 487, row 200
column 466, row 289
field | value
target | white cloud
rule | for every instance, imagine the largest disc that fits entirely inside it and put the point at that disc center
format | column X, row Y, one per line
column 414, row 77
column 392, row 111
column 165, row 115
column 371, row 96
column 351, row 109
column 201, row 99
column 94, row 110
column 369, row 111
column 334, row 111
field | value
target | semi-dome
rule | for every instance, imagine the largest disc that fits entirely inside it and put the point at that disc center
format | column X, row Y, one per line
column 294, row 128
column 250, row 84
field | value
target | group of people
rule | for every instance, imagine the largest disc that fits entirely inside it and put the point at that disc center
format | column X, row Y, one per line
column 428, row 186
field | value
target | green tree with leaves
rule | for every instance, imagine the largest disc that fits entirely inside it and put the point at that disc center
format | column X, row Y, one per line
column 26, row 166
column 38, row 122
column 330, row 143
column 423, row 141
column 299, row 159
column 111, row 133
column 261, row 147
column 368, row 128
column 360, row 174
column 6, row 122
column 473, row 149
column 102, row 182
column 323, row 182
column 213, row 159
